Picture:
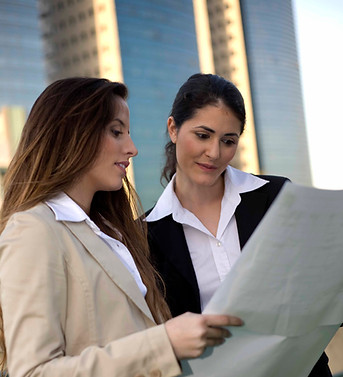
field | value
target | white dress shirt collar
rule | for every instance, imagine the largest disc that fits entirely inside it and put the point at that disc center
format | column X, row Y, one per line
column 65, row 209
column 236, row 182
column 212, row 255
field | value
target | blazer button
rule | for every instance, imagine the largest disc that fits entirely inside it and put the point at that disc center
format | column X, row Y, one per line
column 155, row 373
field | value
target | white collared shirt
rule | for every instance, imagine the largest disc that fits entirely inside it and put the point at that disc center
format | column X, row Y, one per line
column 212, row 256
column 65, row 209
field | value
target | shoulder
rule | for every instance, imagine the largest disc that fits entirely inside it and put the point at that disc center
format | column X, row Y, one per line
column 37, row 219
column 274, row 184
column 166, row 231
column 36, row 213
column 265, row 194
column 33, row 230
column 32, row 243
column 160, row 224
column 275, row 179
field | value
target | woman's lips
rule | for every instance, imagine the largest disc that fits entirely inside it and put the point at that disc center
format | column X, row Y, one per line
column 122, row 165
column 206, row 167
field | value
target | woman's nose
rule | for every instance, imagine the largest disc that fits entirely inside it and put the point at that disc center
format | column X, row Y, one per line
column 131, row 148
column 213, row 150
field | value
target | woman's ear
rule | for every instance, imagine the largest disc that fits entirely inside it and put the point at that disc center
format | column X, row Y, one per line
column 172, row 129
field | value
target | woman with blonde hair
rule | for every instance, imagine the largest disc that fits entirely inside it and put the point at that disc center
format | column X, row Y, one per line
column 77, row 291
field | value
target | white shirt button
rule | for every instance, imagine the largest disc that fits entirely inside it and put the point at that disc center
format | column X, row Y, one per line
column 219, row 243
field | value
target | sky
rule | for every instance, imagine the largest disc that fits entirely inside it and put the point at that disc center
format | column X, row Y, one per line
column 319, row 27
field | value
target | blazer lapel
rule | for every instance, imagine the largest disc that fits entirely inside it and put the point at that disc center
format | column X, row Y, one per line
column 176, row 250
column 110, row 263
column 249, row 213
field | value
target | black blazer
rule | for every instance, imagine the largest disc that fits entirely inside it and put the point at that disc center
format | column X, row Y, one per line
column 171, row 257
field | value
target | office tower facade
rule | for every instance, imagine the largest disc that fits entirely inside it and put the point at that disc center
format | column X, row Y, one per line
column 159, row 51
column 21, row 71
column 153, row 46
column 276, row 90
column 254, row 45
column 230, row 61
column 150, row 45
column 12, row 119
column 69, row 38
column 21, row 63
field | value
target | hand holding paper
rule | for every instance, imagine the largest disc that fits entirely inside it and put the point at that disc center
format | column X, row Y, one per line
column 287, row 287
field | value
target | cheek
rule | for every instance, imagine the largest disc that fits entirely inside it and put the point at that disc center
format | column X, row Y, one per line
column 230, row 154
column 109, row 147
column 186, row 147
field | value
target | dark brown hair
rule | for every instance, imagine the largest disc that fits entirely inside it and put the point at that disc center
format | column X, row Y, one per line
column 59, row 142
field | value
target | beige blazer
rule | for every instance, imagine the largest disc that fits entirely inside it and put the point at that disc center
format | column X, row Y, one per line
column 71, row 308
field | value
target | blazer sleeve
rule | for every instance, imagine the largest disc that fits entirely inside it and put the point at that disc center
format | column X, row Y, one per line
column 34, row 299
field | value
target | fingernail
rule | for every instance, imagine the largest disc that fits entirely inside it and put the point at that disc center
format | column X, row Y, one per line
column 237, row 321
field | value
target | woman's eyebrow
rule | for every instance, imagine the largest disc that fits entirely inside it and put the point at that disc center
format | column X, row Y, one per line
column 205, row 128
column 119, row 121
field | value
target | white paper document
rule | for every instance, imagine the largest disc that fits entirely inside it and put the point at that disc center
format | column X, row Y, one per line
column 287, row 287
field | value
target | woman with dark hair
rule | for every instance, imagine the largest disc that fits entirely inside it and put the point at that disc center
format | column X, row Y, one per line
column 208, row 210
column 78, row 294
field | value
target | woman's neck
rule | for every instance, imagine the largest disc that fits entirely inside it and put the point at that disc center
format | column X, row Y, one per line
column 191, row 195
column 80, row 197
column 203, row 201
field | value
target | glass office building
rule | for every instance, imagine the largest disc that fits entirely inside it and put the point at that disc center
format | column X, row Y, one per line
column 21, row 60
column 159, row 52
column 151, row 45
column 276, row 90
column 154, row 45
column 21, row 71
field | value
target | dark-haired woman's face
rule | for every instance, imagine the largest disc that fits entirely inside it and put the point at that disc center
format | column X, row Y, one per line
column 205, row 144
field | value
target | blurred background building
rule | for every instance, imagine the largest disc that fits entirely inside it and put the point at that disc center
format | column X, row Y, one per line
column 154, row 46
column 12, row 119
column 276, row 91
column 21, row 58
column 21, row 71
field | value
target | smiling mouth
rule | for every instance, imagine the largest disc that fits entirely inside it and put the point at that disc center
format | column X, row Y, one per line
column 206, row 166
column 123, row 165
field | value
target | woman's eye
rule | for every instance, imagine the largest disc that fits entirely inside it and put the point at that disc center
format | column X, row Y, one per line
column 116, row 133
column 202, row 135
column 229, row 141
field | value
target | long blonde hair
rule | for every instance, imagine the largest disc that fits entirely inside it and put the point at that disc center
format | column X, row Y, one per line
column 59, row 142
